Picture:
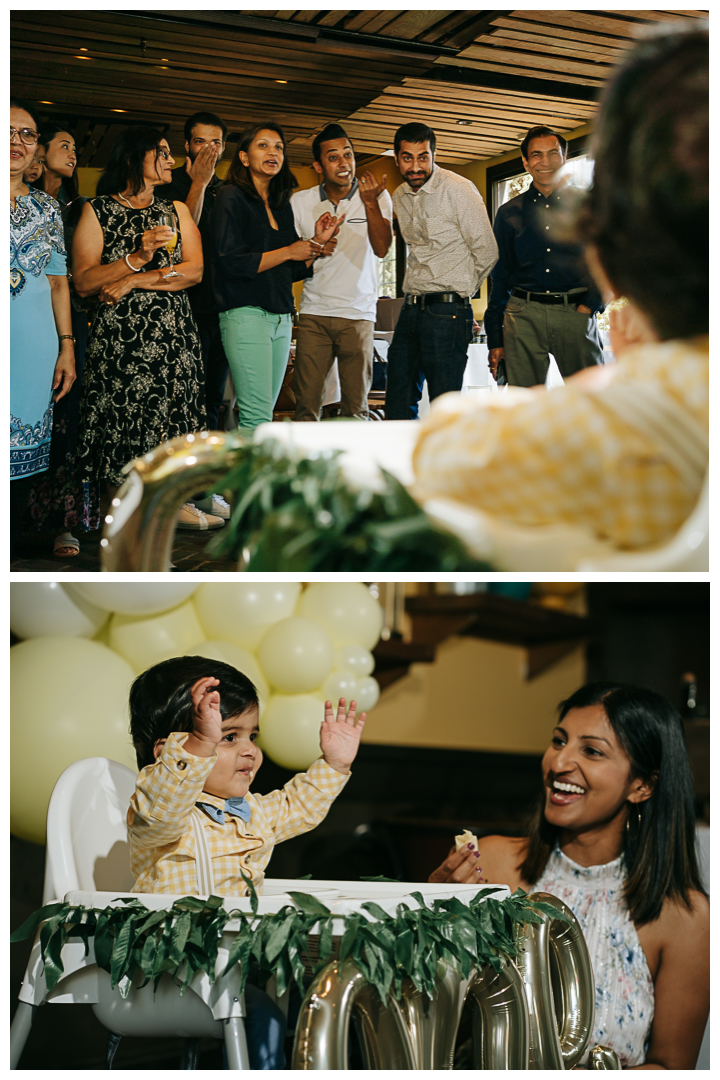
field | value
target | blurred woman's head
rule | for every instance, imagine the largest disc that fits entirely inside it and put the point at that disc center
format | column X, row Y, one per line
column 57, row 153
column 647, row 787
column 23, row 139
column 261, row 154
column 139, row 156
column 646, row 218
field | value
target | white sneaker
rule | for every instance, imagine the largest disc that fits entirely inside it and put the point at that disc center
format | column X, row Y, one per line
column 214, row 504
column 192, row 518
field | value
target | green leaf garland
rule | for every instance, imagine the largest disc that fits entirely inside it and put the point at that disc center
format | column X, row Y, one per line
column 291, row 943
column 299, row 513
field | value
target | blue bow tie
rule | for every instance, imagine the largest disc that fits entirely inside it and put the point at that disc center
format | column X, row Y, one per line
column 239, row 807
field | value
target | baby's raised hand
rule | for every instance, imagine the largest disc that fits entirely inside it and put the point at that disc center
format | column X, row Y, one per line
column 340, row 738
column 207, row 718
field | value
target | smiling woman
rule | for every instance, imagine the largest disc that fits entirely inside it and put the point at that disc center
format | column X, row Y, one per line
column 143, row 381
column 257, row 255
column 614, row 838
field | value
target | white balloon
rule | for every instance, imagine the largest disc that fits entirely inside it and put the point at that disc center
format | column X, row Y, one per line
column 145, row 641
column 368, row 694
column 135, row 598
column 68, row 700
column 44, row 609
column 339, row 684
column 295, row 655
column 238, row 658
column 290, row 731
column 347, row 610
column 243, row 611
column 355, row 658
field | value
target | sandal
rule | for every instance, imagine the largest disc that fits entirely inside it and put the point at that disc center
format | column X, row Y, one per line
column 66, row 546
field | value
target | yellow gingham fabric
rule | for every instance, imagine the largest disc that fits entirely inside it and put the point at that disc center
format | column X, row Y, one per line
column 562, row 456
column 162, row 847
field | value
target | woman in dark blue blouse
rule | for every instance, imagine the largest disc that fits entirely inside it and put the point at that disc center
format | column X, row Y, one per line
column 256, row 257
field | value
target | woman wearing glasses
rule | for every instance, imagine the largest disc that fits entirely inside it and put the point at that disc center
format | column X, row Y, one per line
column 42, row 359
column 143, row 379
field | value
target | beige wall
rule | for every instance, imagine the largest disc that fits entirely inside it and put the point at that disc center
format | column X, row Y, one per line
column 474, row 697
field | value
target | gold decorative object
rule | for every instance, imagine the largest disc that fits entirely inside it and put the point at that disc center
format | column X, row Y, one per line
column 537, row 1013
column 558, row 978
column 140, row 526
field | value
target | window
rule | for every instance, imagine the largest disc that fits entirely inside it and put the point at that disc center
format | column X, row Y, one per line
column 579, row 169
column 387, row 272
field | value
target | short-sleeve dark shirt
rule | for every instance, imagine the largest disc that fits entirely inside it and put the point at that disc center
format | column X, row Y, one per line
column 241, row 233
column 201, row 295
column 530, row 258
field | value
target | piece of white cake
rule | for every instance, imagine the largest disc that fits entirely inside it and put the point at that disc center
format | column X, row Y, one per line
column 465, row 838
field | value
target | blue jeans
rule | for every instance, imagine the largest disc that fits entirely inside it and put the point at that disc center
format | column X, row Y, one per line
column 265, row 1029
column 428, row 343
column 257, row 345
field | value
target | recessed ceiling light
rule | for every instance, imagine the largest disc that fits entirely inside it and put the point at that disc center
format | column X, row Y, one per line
column 47, row 102
column 83, row 49
column 464, row 122
column 118, row 110
column 281, row 80
column 166, row 59
column 83, row 57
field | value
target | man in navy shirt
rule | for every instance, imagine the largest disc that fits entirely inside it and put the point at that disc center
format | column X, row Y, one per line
column 543, row 299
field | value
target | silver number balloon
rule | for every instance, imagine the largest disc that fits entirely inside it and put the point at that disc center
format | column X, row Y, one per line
column 560, row 988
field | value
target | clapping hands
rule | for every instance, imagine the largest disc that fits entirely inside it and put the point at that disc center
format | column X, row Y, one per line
column 340, row 737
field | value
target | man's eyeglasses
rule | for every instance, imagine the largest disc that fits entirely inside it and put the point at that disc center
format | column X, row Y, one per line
column 27, row 135
column 164, row 154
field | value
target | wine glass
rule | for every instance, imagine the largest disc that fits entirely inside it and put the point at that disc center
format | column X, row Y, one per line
column 171, row 223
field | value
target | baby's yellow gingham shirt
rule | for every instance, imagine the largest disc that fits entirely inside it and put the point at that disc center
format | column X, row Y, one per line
column 162, row 846
column 563, row 456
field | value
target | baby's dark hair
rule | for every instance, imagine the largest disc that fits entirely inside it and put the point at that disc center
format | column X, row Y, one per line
column 160, row 701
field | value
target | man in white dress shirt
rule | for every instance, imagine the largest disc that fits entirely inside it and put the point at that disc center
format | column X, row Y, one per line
column 443, row 220
column 337, row 309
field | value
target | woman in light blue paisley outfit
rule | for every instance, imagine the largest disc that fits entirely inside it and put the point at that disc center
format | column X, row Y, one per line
column 42, row 359
column 614, row 838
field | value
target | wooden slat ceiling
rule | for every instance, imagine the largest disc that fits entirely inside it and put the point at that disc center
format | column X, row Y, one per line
column 372, row 70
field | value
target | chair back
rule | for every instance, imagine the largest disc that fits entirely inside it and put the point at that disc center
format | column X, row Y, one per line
column 87, row 843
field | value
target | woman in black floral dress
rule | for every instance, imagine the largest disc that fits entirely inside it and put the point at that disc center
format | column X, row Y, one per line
column 143, row 381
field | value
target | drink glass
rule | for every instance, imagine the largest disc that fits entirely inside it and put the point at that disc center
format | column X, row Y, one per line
column 170, row 221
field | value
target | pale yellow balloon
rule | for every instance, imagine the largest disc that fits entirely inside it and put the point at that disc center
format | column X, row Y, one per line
column 339, row 684
column 45, row 609
column 68, row 700
column 290, row 731
column 368, row 694
column 238, row 658
column 355, row 658
column 347, row 610
column 295, row 655
column 135, row 597
column 146, row 640
column 242, row 612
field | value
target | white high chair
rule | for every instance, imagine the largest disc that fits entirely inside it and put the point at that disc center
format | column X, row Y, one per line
column 88, row 862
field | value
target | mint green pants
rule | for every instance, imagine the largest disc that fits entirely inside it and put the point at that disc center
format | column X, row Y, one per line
column 257, row 345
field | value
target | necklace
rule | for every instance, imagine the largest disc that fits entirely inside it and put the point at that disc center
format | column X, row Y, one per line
column 152, row 200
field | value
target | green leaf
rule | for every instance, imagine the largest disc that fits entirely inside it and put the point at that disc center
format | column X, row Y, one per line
column 380, row 877
column 120, row 952
column 309, row 905
column 31, row 924
column 277, row 939
column 180, row 931
column 253, row 892
column 375, row 910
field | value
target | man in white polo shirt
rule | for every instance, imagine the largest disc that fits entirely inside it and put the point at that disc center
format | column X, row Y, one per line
column 337, row 309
